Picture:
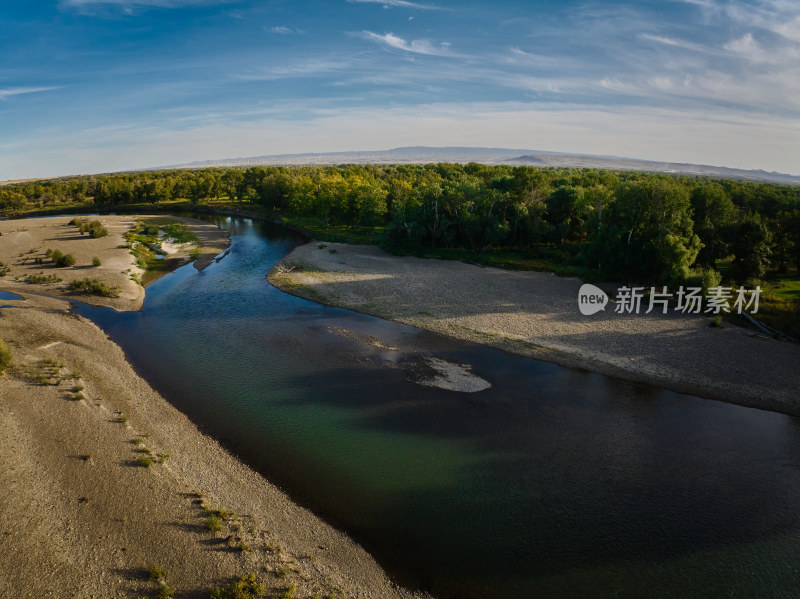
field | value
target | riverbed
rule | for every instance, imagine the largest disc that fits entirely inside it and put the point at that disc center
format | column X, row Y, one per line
column 537, row 481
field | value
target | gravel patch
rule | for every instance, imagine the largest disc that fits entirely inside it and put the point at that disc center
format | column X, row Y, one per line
column 536, row 314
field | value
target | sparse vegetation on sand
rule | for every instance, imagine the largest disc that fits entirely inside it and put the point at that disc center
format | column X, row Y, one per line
column 5, row 356
column 94, row 287
column 246, row 587
column 42, row 279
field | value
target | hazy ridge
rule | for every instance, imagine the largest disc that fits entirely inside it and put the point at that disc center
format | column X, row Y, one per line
column 516, row 157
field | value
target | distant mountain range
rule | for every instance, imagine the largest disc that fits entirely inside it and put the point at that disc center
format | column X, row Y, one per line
column 423, row 155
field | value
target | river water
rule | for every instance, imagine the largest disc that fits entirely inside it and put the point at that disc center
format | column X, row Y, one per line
column 553, row 482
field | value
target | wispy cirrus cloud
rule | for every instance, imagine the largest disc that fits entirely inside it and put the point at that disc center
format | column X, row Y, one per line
column 131, row 6
column 302, row 68
column 8, row 92
column 390, row 40
column 283, row 30
column 674, row 42
column 155, row 3
column 781, row 17
column 399, row 4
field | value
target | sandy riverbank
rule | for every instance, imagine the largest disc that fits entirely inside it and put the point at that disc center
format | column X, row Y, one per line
column 535, row 314
column 83, row 512
column 24, row 241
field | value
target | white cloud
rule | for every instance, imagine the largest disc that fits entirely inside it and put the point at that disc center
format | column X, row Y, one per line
column 155, row 3
column 747, row 48
column 17, row 91
column 398, row 3
column 94, row 7
column 296, row 69
column 675, row 42
column 414, row 46
column 281, row 30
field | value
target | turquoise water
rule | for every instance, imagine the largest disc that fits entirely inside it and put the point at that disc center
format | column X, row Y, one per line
column 554, row 482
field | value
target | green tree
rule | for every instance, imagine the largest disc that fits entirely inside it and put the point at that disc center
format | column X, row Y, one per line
column 648, row 235
column 714, row 216
column 11, row 200
column 751, row 248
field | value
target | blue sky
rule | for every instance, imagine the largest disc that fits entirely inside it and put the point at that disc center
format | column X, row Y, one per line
column 102, row 85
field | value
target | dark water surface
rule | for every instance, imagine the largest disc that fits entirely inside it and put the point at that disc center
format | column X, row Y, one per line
column 552, row 483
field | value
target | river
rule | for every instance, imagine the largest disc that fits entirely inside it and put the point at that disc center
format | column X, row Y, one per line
column 553, row 482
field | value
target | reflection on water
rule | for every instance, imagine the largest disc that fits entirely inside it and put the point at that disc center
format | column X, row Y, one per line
column 551, row 482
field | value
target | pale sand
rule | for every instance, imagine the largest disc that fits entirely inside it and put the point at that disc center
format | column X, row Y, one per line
column 24, row 240
column 536, row 314
column 80, row 518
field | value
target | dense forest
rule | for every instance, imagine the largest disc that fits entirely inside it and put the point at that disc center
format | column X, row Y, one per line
column 606, row 225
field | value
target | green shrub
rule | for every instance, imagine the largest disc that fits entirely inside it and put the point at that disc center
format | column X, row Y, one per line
column 94, row 287
column 165, row 592
column 61, row 260
column 214, row 524
column 145, row 461
column 96, row 261
column 5, row 357
column 156, row 573
column 288, row 592
column 42, row 279
column 96, row 229
column 244, row 588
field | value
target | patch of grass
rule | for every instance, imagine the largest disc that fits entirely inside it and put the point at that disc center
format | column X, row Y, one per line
column 178, row 232
column 94, row 287
column 145, row 461
column 165, row 591
column 244, row 547
column 42, row 279
column 288, row 592
column 214, row 524
column 156, row 573
column 4, row 269
column 97, row 262
column 247, row 587
column 123, row 419
column 282, row 572
column 317, row 229
column 6, row 357
column 274, row 547
column 163, row 458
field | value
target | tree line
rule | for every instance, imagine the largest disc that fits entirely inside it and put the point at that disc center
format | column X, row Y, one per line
column 619, row 225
